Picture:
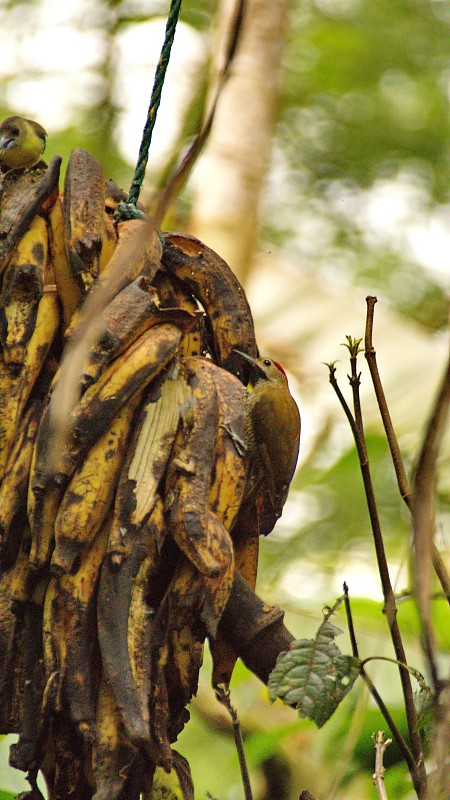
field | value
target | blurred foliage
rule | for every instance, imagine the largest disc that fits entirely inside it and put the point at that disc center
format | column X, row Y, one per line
column 363, row 119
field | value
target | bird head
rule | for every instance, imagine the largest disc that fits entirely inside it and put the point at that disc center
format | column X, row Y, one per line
column 22, row 142
column 263, row 369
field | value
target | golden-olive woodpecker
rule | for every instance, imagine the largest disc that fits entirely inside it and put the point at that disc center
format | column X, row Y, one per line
column 272, row 423
column 22, row 142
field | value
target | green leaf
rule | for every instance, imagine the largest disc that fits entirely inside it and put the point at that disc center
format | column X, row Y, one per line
column 313, row 676
column 6, row 795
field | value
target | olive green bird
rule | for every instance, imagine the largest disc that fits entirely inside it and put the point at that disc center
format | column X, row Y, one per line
column 272, row 427
column 22, row 142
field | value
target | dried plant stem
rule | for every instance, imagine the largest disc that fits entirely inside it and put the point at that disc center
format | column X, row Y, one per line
column 223, row 696
column 399, row 467
column 378, row 778
column 418, row 773
column 401, row 744
column 423, row 507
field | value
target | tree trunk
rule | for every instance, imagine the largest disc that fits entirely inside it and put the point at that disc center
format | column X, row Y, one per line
column 231, row 173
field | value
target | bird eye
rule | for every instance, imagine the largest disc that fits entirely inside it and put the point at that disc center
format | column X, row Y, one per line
column 15, row 131
column 267, row 362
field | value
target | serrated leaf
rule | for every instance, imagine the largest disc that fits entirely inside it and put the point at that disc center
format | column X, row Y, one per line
column 314, row 676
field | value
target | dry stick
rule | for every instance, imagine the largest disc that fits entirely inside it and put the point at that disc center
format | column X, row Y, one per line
column 418, row 773
column 424, row 484
column 378, row 778
column 402, row 480
column 390, row 607
column 223, row 696
column 403, row 747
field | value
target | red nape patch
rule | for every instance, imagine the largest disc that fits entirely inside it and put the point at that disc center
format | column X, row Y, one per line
column 278, row 366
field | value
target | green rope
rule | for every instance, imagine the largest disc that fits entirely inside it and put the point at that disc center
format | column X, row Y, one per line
column 128, row 210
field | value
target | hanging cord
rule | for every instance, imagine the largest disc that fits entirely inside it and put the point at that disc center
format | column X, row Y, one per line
column 128, row 209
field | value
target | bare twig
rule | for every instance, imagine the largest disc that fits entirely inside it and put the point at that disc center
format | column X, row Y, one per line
column 399, row 467
column 223, row 696
column 403, row 747
column 417, row 769
column 424, row 486
column 371, row 357
column 378, row 778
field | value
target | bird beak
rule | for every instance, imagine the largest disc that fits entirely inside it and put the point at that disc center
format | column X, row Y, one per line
column 5, row 143
column 254, row 370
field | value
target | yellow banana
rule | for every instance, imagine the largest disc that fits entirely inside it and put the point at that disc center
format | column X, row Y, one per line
column 68, row 290
column 113, row 756
column 231, row 461
column 246, row 551
column 133, row 311
column 13, row 489
column 71, row 627
column 190, row 471
column 173, row 293
column 148, row 454
column 23, row 579
column 43, row 505
column 117, row 638
column 213, row 283
column 90, row 492
column 128, row 374
column 23, row 195
column 21, row 291
column 16, row 388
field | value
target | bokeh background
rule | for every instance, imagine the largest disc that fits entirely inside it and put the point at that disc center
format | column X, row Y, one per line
column 326, row 178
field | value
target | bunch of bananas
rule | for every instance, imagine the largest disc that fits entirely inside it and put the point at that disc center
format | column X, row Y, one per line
column 118, row 547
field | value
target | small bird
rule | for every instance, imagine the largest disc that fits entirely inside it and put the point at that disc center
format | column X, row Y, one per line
column 22, row 142
column 272, row 427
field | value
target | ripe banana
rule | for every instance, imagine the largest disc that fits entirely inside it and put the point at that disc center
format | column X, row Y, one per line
column 117, row 639
column 16, row 388
column 23, row 195
column 212, row 282
column 90, row 492
column 70, row 631
column 126, row 375
column 13, row 489
column 84, row 205
column 148, row 454
column 190, row 471
column 133, row 311
column 68, row 290
column 173, row 293
column 246, row 551
column 113, row 755
column 21, row 291
column 23, row 579
column 231, row 461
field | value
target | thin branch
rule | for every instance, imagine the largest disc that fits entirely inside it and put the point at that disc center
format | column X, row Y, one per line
column 423, row 508
column 399, row 467
column 417, row 769
column 371, row 357
column 378, row 778
column 223, row 696
column 401, row 743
